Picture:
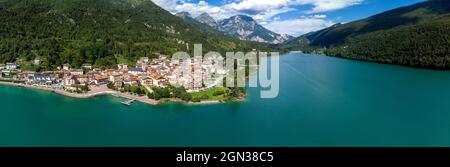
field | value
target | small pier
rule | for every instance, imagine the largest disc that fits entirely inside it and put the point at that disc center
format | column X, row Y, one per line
column 129, row 102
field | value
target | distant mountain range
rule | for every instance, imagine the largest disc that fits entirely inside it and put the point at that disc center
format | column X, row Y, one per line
column 241, row 27
column 416, row 35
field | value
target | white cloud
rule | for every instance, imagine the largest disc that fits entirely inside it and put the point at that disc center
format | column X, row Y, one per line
column 198, row 8
column 300, row 26
column 256, row 6
column 166, row 4
column 261, row 10
column 330, row 5
column 265, row 12
column 320, row 16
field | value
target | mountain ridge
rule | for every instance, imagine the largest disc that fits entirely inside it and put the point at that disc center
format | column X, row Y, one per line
column 416, row 35
column 205, row 18
column 242, row 27
column 246, row 28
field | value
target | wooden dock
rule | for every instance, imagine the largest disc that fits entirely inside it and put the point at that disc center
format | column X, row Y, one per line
column 129, row 102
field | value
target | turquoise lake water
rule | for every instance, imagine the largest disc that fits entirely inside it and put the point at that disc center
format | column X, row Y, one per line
column 323, row 101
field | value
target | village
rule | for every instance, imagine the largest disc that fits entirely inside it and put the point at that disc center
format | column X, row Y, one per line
column 148, row 74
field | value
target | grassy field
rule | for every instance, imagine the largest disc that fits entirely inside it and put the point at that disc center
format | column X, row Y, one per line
column 29, row 67
column 215, row 94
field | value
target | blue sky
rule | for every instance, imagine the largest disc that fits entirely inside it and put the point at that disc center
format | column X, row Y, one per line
column 293, row 17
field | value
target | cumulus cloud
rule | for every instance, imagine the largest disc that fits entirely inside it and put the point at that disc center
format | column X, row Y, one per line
column 259, row 9
column 300, row 26
column 201, row 7
column 264, row 11
column 330, row 5
column 166, row 4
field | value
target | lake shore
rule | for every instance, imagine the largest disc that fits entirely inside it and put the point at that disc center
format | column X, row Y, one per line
column 103, row 90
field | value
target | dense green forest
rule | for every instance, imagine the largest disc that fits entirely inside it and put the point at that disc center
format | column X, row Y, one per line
column 107, row 32
column 100, row 32
column 416, row 35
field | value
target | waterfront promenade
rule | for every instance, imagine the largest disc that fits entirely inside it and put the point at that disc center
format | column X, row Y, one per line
column 95, row 91
column 102, row 90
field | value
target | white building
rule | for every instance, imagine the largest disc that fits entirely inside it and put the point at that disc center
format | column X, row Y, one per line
column 87, row 66
column 70, row 81
column 144, row 60
column 136, row 71
column 11, row 66
column 77, row 72
column 122, row 67
column 36, row 62
column 66, row 67
column 146, row 81
column 115, row 78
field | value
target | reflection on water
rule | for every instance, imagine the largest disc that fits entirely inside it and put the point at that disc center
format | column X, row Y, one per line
column 323, row 101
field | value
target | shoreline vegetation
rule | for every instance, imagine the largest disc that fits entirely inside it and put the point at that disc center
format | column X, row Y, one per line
column 149, row 82
column 102, row 90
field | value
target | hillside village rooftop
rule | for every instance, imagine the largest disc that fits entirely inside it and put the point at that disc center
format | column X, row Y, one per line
column 146, row 72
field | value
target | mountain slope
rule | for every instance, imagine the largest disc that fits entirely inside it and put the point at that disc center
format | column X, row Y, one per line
column 416, row 35
column 187, row 17
column 184, row 15
column 245, row 28
column 240, row 26
column 205, row 18
column 101, row 32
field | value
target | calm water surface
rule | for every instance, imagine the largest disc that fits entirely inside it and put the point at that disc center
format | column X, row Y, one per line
column 323, row 101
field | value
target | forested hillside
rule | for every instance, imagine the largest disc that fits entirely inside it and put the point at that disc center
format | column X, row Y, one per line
column 416, row 35
column 100, row 32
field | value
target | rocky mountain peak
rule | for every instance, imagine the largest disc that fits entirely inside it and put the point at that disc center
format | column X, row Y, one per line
column 240, row 26
column 205, row 18
column 246, row 28
column 183, row 15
